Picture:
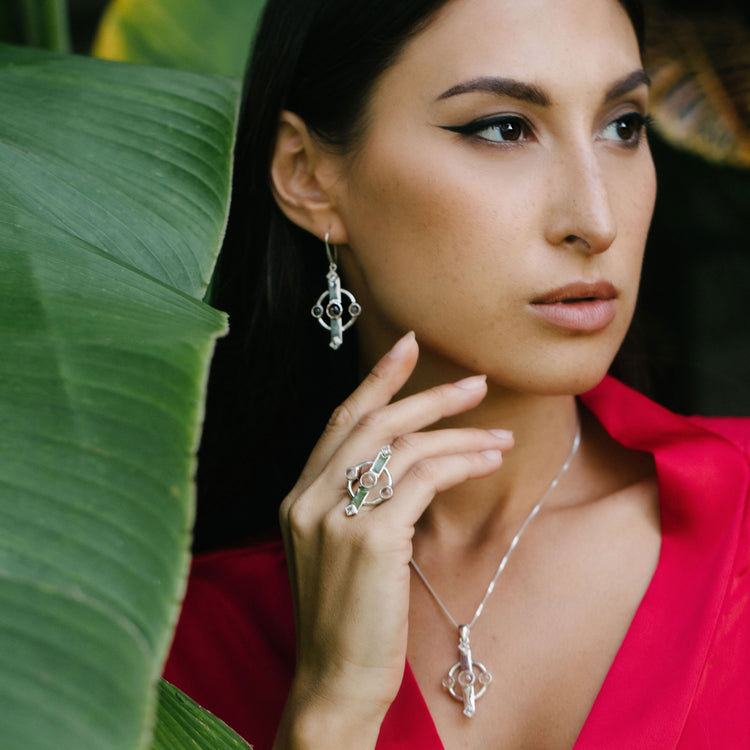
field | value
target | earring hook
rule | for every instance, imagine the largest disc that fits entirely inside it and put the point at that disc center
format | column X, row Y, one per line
column 331, row 251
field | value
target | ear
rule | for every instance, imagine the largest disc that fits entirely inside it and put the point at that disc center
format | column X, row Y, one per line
column 302, row 180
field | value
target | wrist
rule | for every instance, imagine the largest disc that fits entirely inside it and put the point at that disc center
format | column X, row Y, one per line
column 313, row 722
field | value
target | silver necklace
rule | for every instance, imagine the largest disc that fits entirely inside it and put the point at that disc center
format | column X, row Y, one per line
column 468, row 679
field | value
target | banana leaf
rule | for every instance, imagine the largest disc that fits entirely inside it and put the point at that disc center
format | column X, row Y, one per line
column 203, row 36
column 114, row 188
column 182, row 723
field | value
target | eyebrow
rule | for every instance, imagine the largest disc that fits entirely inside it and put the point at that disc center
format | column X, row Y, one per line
column 527, row 92
column 500, row 87
column 626, row 84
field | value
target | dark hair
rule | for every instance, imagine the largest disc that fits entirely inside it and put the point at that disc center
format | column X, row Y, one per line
column 274, row 380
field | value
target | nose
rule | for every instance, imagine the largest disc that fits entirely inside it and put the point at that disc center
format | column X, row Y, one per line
column 580, row 213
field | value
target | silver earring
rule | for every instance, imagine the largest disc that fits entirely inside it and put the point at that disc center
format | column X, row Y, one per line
column 334, row 308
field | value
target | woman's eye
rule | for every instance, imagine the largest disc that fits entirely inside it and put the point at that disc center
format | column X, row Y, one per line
column 505, row 129
column 497, row 129
column 626, row 129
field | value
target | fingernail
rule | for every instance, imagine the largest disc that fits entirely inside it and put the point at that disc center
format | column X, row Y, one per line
column 402, row 346
column 493, row 455
column 472, row 383
column 506, row 434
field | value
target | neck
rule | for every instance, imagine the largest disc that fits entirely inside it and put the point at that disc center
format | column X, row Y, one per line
column 476, row 511
column 544, row 427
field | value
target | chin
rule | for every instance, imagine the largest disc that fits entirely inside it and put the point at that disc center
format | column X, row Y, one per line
column 581, row 382
column 556, row 373
column 581, row 364
column 567, row 384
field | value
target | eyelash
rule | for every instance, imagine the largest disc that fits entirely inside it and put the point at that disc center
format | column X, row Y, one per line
column 640, row 123
column 477, row 126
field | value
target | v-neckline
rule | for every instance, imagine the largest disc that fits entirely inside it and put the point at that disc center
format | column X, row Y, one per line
column 646, row 694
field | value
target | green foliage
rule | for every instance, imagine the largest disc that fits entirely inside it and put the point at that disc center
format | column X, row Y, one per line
column 204, row 36
column 39, row 23
column 183, row 723
column 114, row 187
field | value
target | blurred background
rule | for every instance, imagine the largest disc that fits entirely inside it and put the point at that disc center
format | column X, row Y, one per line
column 689, row 347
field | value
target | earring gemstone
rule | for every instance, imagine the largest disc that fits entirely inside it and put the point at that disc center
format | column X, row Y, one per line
column 334, row 310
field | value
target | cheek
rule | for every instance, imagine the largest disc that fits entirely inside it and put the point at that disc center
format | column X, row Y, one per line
column 429, row 235
column 454, row 247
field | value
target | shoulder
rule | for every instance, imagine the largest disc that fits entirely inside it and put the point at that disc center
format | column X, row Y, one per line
column 236, row 602
column 260, row 566
column 234, row 647
column 637, row 422
column 702, row 465
column 703, row 470
column 736, row 430
column 703, row 587
column 244, row 590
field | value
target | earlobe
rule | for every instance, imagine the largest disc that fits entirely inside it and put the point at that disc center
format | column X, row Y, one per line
column 296, row 166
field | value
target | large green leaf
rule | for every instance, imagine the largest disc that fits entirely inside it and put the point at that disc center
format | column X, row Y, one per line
column 204, row 36
column 183, row 723
column 114, row 186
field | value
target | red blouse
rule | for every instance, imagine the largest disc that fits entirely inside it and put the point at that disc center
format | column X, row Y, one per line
column 681, row 678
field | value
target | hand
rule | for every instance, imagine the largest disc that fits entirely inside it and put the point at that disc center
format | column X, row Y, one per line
column 350, row 576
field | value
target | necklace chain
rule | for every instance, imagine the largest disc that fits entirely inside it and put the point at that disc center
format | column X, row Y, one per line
column 513, row 543
column 468, row 679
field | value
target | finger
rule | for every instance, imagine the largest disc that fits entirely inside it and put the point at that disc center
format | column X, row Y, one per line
column 291, row 562
column 406, row 450
column 382, row 427
column 412, row 449
column 409, row 415
column 383, row 382
column 426, row 478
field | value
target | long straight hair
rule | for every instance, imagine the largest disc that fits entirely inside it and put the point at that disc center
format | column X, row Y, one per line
column 274, row 381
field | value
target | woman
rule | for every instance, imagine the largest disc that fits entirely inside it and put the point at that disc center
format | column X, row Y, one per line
column 479, row 175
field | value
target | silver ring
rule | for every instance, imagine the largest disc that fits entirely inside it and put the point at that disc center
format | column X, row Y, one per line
column 364, row 478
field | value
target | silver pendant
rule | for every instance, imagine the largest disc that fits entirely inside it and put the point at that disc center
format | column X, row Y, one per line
column 334, row 308
column 467, row 680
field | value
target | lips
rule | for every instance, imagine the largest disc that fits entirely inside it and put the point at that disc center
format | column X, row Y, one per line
column 583, row 307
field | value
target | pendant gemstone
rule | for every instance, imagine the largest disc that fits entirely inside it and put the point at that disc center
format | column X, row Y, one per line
column 461, row 681
column 466, row 678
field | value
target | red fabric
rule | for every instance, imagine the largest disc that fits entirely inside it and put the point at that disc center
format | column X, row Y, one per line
column 681, row 678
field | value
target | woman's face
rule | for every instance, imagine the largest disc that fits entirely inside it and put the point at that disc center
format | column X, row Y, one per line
column 500, row 199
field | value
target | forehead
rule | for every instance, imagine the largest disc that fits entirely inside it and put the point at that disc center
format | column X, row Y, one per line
column 559, row 43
